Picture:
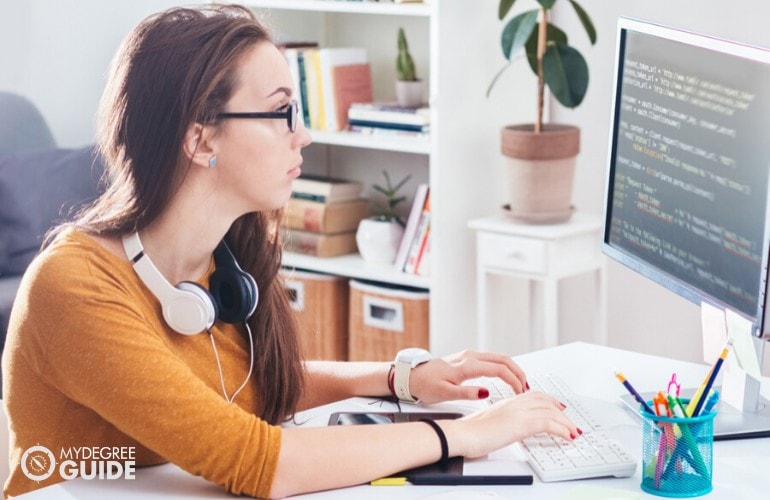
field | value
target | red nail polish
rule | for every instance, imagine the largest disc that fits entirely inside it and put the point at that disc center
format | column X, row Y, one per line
column 572, row 436
column 562, row 404
column 579, row 430
column 527, row 385
column 483, row 393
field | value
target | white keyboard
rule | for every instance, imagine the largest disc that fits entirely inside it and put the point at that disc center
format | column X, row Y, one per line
column 593, row 454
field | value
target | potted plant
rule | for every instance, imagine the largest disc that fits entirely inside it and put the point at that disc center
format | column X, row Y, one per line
column 540, row 158
column 379, row 236
column 409, row 88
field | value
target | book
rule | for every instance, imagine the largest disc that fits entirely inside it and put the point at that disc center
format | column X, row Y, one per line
column 324, row 217
column 389, row 132
column 423, row 262
column 389, row 113
column 411, row 226
column 312, row 87
column 292, row 59
column 318, row 244
column 388, row 125
column 326, row 189
column 418, row 242
column 352, row 83
column 328, row 59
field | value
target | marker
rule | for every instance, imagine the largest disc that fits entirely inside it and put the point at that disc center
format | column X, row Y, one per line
column 710, row 402
column 713, row 376
column 633, row 392
column 459, row 479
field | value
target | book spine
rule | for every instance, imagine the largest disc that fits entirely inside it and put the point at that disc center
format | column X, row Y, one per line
column 423, row 262
column 387, row 116
column 414, row 251
column 411, row 226
column 387, row 125
column 302, row 89
column 318, row 198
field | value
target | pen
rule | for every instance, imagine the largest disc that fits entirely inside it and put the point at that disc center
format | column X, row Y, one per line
column 676, row 407
column 633, row 392
column 712, row 377
column 459, row 479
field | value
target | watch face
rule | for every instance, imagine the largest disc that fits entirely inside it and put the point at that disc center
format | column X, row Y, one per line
column 413, row 355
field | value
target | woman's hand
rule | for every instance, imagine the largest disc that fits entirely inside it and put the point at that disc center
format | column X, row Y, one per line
column 506, row 422
column 441, row 379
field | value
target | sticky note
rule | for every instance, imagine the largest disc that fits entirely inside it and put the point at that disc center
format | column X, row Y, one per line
column 714, row 331
column 743, row 344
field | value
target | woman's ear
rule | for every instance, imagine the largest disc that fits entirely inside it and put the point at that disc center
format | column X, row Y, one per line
column 198, row 147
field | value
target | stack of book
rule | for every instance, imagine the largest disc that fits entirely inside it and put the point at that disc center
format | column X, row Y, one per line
column 413, row 255
column 389, row 118
column 322, row 216
column 326, row 81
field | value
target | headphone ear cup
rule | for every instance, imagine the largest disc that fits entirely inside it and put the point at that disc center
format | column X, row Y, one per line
column 235, row 293
column 192, row 310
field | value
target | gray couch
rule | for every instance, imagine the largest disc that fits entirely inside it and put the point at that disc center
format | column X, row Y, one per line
column 40, row 184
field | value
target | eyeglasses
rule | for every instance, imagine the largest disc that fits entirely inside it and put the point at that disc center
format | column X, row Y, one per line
column 290, row 115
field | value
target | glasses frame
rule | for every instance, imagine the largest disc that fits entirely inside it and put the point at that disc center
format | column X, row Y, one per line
column 291, row 115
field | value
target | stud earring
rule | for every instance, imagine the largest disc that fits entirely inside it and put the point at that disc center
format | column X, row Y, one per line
column 213, row 162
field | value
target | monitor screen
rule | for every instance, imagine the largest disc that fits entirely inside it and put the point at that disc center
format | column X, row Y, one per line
column 689, row 166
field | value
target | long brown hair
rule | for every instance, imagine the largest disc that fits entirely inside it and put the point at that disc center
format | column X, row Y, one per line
column 176, row 68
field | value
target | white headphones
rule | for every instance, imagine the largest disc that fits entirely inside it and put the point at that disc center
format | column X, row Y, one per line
column 188, row 307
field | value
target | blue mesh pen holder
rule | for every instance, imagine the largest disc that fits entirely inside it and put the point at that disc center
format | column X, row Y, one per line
column 677, row 455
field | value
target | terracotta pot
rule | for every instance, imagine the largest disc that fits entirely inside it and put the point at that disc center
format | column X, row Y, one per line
column 540, row 169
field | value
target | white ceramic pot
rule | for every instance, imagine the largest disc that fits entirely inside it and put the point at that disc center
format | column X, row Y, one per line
column 378, row 241
column 410, row 94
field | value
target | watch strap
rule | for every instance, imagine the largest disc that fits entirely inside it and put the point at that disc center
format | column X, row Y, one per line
column 401, row 374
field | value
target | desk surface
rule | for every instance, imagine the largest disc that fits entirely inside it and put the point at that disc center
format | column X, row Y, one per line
column 739, row 466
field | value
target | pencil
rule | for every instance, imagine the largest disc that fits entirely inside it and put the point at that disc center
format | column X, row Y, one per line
column 633, row 392
column 712, row 377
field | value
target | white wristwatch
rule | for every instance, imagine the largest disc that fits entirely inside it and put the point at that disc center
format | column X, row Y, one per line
column 405, row 361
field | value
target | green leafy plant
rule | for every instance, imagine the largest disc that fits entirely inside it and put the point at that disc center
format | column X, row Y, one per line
column 551, row 58
column 387, row 214
column 404, row 62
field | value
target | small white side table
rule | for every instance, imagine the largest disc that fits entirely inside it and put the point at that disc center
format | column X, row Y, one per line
column 542, row 254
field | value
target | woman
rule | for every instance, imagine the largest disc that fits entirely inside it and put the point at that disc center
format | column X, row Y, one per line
column 94, row 356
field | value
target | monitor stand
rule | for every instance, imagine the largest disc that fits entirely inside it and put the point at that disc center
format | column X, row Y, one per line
column 729, row 423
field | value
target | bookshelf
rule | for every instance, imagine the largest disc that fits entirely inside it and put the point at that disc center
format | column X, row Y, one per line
column 457, row 160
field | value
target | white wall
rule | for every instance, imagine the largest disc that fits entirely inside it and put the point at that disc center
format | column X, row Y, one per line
column 56, row 52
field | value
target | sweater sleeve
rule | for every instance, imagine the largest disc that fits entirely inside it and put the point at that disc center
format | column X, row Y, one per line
column 99, row 344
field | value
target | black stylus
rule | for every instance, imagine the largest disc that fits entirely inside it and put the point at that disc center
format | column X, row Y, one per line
column 459, row 479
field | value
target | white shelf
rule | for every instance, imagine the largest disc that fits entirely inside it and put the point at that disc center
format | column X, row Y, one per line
column 417, row 145
column 395, row 9
column 354, row 266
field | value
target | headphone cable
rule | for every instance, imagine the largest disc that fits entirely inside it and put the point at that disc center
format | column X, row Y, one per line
column 219, row 364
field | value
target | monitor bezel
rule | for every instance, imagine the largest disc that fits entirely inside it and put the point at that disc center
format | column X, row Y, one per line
column 668, row 281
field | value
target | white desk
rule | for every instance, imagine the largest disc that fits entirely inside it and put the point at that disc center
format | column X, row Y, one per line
column 542, row 254
column 740, row 467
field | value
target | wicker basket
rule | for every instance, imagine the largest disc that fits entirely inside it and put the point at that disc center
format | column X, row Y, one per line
column 320, row 303
column 385, row 319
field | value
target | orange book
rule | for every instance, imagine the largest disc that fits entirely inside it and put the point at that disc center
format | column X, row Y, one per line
column 352, row 83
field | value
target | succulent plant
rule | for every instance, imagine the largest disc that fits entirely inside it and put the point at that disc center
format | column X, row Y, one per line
column 404, row 62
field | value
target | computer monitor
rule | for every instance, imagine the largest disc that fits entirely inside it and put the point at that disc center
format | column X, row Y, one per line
column 687, row 200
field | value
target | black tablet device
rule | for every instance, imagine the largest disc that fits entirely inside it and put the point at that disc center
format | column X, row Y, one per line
column 376, row 417
column 454, row 465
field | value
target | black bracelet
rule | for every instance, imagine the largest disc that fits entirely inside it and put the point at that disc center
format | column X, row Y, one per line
column 444, row 460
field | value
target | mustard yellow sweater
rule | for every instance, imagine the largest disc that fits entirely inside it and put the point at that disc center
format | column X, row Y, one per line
column 89, row 361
